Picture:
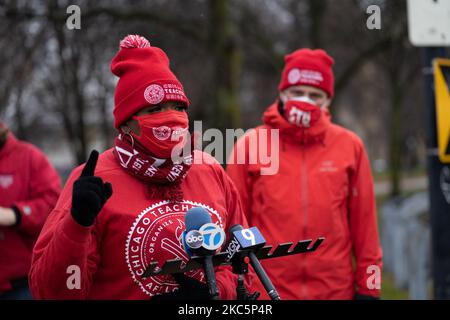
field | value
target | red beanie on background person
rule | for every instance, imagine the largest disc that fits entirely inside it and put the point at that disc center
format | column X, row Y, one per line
column 308, row 67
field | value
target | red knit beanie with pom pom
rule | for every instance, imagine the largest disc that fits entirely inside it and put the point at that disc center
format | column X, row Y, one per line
column 145, row 78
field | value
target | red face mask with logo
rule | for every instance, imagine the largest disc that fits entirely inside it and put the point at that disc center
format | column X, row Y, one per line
column 302, row 112
column 162, row 131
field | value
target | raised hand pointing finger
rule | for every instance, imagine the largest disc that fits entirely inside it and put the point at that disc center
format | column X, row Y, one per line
column 91, row 163
column 89, row 193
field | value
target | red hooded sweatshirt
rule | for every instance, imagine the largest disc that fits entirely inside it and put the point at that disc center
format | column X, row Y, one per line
column 130, row 231
column 323, row 187
column 30, row 184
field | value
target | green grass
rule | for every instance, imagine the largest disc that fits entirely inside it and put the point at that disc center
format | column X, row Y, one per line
column 414, row 173
column 389, row 291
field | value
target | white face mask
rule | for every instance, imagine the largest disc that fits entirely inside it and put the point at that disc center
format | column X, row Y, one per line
column 284, row 98
column 304, row 99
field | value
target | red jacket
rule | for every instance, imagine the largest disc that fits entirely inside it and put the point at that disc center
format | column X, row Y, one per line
column 323, row 187
column 130, row 231
column 30, row 183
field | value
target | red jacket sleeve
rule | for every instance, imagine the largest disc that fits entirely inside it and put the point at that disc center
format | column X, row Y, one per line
column 64, row 250
column 44, row 186
column 226, row 280
column 363, row 227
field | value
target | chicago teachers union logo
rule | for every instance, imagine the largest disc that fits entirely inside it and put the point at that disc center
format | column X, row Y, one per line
column 162, row 133
column 154, row 94
column 156, row 236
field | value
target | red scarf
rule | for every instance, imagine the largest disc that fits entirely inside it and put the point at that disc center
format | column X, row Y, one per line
column 163, row 176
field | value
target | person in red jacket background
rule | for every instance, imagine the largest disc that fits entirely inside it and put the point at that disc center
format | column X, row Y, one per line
column 126, row 207
column 29, row 189
column 323, row 187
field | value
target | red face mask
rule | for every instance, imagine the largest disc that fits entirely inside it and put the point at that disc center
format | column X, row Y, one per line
column 162, row 131
column 302, row 112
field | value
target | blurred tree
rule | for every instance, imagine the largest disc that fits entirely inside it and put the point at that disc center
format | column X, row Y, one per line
column 399, row 72
column 227, row 65
column 23, row 45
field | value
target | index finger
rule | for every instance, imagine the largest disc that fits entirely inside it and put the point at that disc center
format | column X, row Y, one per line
column 89, row 167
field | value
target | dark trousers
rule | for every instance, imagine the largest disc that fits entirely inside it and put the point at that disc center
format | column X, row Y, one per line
column 19, row 291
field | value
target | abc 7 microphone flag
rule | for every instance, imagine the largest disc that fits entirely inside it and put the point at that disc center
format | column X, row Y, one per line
column 210, row 237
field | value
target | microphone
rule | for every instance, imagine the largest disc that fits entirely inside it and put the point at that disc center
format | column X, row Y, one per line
column 203, row 238
column 193, row 220
column 249, row 240
column 239, row 262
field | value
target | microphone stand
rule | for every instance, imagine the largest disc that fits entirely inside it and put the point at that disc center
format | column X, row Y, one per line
column 240, row 267
column 239, row 262
column 263, row 277
column 211, row 278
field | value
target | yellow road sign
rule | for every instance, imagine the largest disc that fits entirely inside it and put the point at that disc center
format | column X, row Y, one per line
column 442, row 92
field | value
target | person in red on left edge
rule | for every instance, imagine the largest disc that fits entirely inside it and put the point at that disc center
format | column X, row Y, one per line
column 125, row 207
column 29, row 188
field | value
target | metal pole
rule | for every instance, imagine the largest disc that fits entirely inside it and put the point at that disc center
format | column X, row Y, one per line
column 439, row 207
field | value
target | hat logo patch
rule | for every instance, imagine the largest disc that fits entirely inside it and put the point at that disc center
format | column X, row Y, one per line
column 293, row 76
column 154, row 94
column 304, row 76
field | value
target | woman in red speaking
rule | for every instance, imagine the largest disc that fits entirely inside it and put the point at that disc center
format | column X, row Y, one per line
column 125, row 208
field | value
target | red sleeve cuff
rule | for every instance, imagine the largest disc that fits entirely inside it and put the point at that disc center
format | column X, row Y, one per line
column 18, row 215
column 75, row 231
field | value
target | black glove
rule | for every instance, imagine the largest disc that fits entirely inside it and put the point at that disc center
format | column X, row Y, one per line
column 364, row 297
column 253, row 296
column 89, row 193
column 243, row 294
column 189, row 289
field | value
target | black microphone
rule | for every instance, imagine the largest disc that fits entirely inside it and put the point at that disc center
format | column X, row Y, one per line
column 203, row 238
column 250, row 240
column 239, row 262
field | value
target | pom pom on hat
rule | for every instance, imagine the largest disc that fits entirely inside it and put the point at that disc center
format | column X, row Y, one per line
column 134, row 41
